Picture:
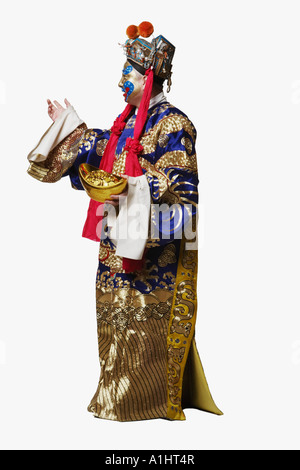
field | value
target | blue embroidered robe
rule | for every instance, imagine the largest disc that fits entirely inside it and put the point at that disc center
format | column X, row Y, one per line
column 150, row 367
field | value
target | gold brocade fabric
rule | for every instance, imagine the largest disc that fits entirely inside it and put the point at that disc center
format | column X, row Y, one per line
column 150, row 367
column 181, row 328
column 59, row 160
column 133, row 382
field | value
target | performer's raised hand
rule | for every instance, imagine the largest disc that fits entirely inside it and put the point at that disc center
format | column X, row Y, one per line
column 55, row 109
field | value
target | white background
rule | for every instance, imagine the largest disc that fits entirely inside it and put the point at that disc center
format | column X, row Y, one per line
column 237, row 76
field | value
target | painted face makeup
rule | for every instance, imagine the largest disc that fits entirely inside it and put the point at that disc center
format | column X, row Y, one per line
column 128, row 89
column 128, row 70
column 132, row 84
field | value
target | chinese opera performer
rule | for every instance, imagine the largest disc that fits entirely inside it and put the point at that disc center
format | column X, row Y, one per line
column 146, row 289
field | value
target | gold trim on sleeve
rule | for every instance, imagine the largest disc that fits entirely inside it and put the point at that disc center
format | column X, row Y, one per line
column 59, row 160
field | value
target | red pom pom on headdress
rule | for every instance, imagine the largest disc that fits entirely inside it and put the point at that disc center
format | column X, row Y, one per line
column 132, row 32
column 146, row 29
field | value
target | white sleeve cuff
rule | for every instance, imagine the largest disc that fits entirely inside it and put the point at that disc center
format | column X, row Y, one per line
column 67, row 122
column 130, row 231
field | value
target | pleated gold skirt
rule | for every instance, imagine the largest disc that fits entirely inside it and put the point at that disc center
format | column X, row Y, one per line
column 150, row 366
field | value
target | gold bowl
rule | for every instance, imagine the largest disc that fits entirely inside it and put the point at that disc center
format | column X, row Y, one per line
column 99, row 184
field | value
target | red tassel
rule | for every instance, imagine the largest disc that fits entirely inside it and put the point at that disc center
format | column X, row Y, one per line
column 133, row 167
column 92, row 225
